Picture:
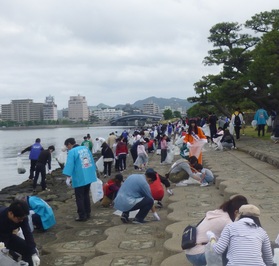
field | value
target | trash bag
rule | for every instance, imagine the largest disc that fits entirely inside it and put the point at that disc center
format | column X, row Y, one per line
column 212, row 258
column 97, row 191
column 254, row 123
column 170, row 156
column 100, row 164
column 20, row 166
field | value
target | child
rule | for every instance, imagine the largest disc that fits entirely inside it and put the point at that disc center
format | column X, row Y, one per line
column 110, row 190
column 205, row 174
column 142, row 158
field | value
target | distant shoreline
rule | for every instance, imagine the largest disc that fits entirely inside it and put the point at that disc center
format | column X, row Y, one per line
column 54, row 126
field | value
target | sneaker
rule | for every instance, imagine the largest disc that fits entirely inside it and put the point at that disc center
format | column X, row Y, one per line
column 204, row 184
column 182, row 184
column 46, row 189
column 136, row 221
column 124, row 218
column 170, row 191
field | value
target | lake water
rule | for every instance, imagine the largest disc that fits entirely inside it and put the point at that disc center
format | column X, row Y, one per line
column 14, row 141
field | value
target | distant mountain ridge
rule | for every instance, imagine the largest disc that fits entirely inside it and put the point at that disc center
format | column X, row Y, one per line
column 173, row 102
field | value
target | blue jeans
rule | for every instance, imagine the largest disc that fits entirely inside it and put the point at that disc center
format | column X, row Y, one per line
column 144, row 206
column 197, row 260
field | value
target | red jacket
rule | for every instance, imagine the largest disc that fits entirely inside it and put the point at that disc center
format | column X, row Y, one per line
column 157, row 189
column 121, row 148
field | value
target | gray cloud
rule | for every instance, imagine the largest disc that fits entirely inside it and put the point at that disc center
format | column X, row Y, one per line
column 111, row 51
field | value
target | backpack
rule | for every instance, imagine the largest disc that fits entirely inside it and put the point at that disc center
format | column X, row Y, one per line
column 237, row 121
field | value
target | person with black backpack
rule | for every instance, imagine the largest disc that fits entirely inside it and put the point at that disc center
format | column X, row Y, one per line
column 237, row 120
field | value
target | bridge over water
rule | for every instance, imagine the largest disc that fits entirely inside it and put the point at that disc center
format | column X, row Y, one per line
column 135, row 120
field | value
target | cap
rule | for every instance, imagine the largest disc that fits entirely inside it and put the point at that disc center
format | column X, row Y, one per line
column 249, row 210
column 150, row 170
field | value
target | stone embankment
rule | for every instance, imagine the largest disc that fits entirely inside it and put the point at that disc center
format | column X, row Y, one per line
column 104, row 240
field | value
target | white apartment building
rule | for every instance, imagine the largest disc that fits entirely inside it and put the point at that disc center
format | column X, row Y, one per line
column 151, row 108
column 50, row 109
column 106, row 114
column 78, row 109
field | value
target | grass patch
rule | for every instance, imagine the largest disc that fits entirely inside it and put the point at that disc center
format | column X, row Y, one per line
column 253, row 132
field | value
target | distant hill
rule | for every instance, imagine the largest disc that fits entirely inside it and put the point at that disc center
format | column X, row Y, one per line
column 174, row 103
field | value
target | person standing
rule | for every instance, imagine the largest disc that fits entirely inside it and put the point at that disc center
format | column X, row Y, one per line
column 261, row 116
column 44, row 158
column 87, row 143
column 111, row 139
column 164, row 148
column 35, row 151
column 13, row 218
column 121, row 153
column 212, row 121
column 195, row 139
column 237, row 121
column 108, row 156
column 80, row 170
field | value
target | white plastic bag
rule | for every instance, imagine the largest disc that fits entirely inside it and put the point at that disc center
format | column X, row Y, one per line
column 20, row 166
column 254, row 123
column 268, row 121
column 212, row 258
column 96, row 189
column 100, row 164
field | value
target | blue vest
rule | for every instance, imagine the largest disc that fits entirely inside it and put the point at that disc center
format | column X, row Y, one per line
column 35, row 151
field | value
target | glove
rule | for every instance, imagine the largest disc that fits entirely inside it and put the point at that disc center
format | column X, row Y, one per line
column 36, row 260
column 189, row 145
column 210, row 235
column 19, row 154
column 156, row 216
column 69, row 181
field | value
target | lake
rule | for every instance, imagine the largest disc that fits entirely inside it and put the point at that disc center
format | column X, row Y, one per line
column 14, row 141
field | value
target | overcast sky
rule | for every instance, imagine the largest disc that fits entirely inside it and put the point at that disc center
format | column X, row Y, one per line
column 110, row 51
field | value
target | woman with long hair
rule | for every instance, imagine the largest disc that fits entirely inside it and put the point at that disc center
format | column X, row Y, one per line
column 195, row 139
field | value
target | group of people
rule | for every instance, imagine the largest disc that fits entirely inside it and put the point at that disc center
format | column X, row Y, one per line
column 235, row 233
column 39, row 158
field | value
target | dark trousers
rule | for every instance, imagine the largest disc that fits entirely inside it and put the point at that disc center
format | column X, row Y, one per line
column 144, row 206
column 83, row 201
column 107, row 168
column 116, row 165
column 163, row 155
column 20, row 246
column 261, row 128
column 37, row 221
column 32, row 168
column 122, row 161
column 134, row 156
column 40, row 169
column 237, row 131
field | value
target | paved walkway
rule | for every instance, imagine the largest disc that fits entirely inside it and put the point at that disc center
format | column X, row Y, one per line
column 238, row 172
column 104, row 240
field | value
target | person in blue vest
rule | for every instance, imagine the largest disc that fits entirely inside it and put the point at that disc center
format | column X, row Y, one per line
column 35, row 151
column 42, row 214
column 80, row 170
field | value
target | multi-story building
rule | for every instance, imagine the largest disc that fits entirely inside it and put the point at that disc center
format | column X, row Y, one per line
column 78, row 109
column 106, row 114
column 22, row 111
column 50, row 109
column 151, row 108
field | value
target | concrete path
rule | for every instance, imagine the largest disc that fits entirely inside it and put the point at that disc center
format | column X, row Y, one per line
column 104, row 240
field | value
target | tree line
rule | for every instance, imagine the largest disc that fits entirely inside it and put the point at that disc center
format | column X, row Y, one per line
column 248, row 57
